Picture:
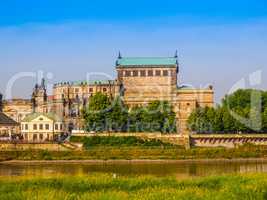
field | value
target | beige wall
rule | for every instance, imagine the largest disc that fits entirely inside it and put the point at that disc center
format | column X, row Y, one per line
column 187, row 100
column 83, row 91
column 7, row 130
column 140, row 89
column 17, row 109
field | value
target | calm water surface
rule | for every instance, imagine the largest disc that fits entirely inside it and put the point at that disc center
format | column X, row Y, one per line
column 183, row 170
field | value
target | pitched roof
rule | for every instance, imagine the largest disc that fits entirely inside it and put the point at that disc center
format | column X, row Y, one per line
column 145, row 61
column 5, row 120
column 33, row 116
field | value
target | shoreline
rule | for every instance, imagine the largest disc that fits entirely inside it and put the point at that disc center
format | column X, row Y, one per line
column 134, row 161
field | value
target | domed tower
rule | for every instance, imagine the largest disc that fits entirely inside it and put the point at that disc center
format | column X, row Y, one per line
column 39, row 98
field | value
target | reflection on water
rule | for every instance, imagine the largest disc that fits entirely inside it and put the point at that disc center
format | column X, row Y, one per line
column 184, row 169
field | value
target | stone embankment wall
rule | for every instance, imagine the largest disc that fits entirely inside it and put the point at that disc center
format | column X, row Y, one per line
column 197, row 140
column 227, row 140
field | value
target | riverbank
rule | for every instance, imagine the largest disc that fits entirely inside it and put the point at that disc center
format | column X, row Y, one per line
column 138, row 153
column 105, row 186
column 187, row 161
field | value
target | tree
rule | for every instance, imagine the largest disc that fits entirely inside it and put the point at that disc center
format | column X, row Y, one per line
column 169, row 117
column 240, row 112
column 157, row 116
column 136, row 119
column 117, row 116
column 264, row 120
column 95, row 113
column 102, row 114
column 202, row 119
column 218, row 126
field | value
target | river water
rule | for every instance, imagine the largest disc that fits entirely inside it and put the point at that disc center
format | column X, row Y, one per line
column 178, row 169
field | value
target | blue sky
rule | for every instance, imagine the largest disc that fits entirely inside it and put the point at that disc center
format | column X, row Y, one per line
column 219, row 42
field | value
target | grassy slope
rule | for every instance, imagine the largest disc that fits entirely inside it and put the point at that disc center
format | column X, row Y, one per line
column 102, row 186
column 132, row 153
column 132, row 148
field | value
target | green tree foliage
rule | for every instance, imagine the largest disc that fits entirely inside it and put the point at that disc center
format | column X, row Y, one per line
column 95, row 113
column 102, row 114
column 117, row 116
column 89, row 142
column 157, row 116
column 244, row 111
column 264, row 119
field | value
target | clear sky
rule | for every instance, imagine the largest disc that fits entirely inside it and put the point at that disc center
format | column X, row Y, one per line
column 219, row 42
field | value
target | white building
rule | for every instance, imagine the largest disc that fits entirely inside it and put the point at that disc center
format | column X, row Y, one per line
column 40, row 127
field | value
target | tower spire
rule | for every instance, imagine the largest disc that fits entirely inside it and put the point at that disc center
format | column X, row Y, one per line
column 119, row 57
column 176, row 54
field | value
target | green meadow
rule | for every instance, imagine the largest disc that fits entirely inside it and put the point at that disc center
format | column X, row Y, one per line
column 105, row 187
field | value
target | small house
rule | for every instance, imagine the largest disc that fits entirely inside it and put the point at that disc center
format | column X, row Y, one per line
column 40, row 127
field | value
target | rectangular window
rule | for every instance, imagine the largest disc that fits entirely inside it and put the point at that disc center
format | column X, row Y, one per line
column 56, row 126
column 165, row 73
column 135, row 73
column 35, row 127
column 34, row 137
column 22, row 126
column 26, row 126
column 76, row 90
column 41, row 126
column 127, row 73
column 120, row 74
column 143, row 73
column 61, row 126
column 150, row 73
column 41, row 137
column 158, row 73
column 47, row 127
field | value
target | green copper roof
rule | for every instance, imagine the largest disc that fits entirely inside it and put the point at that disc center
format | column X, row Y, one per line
column 79, row 83
column 130, row 61
column 33, row 116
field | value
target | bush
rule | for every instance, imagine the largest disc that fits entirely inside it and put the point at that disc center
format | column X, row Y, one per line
column 117, row 141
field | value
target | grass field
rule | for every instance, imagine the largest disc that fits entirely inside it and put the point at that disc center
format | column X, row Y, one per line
column 105, row 187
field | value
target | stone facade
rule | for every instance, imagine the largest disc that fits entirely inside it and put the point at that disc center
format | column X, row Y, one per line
column 69, row 98
column 147, row 79
column 139, row 81
column 17, row 109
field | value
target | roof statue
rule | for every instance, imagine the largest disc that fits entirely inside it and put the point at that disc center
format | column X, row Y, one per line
column 43, row 83
column 1, row 102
